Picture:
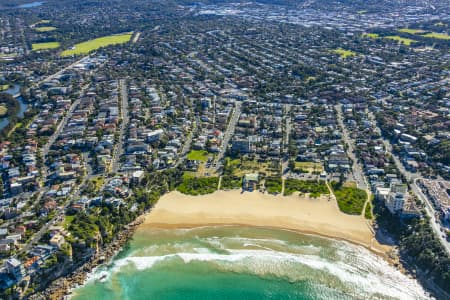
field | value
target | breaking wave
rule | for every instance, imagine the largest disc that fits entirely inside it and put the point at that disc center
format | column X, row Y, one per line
column 341, row 266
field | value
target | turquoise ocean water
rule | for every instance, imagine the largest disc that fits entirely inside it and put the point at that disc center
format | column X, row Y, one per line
column 231, row 262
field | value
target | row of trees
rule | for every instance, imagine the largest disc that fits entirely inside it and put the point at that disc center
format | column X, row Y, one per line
column 230, row 182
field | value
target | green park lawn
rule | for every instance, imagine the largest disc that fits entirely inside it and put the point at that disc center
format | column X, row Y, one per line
column 3, row 110
column 308, row 167
column 45, row 28
column 92, row 45
column 344, row 53
column 239, row 167
column 3, row 87
column 41, row 22
column 68, row 220
column 45, row 46
column 410, row 31
column 98, row 182
column 200, row 155
column 400, row 39
column 371, row 35
column 435, row 35
column 350, row 199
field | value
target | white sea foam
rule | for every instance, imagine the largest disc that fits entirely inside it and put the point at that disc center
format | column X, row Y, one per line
column 246, row 239
column 332, row 264
column 256, row 246
column 366, row 279
column 267, row 244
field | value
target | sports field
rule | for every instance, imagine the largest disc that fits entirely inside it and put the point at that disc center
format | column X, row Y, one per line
column 45, row 28
column 89, row 46
column 400, row 39
column 371, row 35
column 45, row 46
column 435, row 35
column 411, row 31
column 3, row 110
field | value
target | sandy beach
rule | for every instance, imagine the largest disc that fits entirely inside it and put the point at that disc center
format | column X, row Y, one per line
column 319, row 216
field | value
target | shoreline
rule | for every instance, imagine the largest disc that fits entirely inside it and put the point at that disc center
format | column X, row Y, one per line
column 375, row 251
column 62, row 288
column 301, row 214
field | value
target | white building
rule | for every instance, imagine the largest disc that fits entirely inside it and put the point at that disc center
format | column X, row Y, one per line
column 397, row 197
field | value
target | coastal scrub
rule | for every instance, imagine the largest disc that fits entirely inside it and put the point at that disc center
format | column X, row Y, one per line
column 350, row 199
column 314, row 188
column 274, row 185
column 198, row 185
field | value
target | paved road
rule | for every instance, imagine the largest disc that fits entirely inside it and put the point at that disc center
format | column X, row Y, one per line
column 429, row 208
column 58, row 218
column 118, row 150
column 53, row 76
column 443, row 82
column 44, row 152
column 60, row 127
column 389, row 150
column 76, row 191
column 357, row 170
column 228, row 133
column 287, row 134
column 413, row 178
column 358, row 173
column 46, row 148
column 136, row 37
column 55, row 136
column 87, row 163
column 187, row 144
column 287, row 131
